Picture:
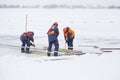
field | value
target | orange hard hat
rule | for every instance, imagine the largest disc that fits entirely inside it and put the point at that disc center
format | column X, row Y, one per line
column 55, row 22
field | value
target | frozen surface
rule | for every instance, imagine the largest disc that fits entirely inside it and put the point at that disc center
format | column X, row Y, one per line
column 96, row 27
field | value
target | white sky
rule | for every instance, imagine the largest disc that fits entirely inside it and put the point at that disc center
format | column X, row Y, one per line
column 42, row 2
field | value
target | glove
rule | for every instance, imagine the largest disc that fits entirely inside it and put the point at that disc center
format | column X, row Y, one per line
column 66, row 39
column 33, row 45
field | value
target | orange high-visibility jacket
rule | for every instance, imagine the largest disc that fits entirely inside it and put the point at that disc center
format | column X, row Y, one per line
column 69, row 31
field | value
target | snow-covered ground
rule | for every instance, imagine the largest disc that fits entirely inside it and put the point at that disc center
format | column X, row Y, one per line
column 97, row 27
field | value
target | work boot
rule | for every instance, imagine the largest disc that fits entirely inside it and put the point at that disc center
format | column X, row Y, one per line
column 22, row 51
column 55, row 54
column 70, row 48
column 48, row 54
column 28, row 52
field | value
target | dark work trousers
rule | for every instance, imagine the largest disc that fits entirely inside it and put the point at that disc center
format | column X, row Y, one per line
column 56, row 44
column 70, row 44
column 27, row 44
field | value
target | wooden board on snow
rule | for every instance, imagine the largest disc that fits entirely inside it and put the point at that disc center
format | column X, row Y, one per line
column 62, row 50
column 39, row 53
column 59, row 54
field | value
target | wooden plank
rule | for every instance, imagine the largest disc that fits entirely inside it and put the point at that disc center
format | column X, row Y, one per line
column 62, row 50
column 39, row 53
column 52, row 54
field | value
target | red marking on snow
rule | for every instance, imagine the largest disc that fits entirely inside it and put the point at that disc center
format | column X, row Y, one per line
column 109, row 49
column 106, row 51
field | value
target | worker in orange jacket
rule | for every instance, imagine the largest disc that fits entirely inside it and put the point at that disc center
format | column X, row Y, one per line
column 69, row 35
